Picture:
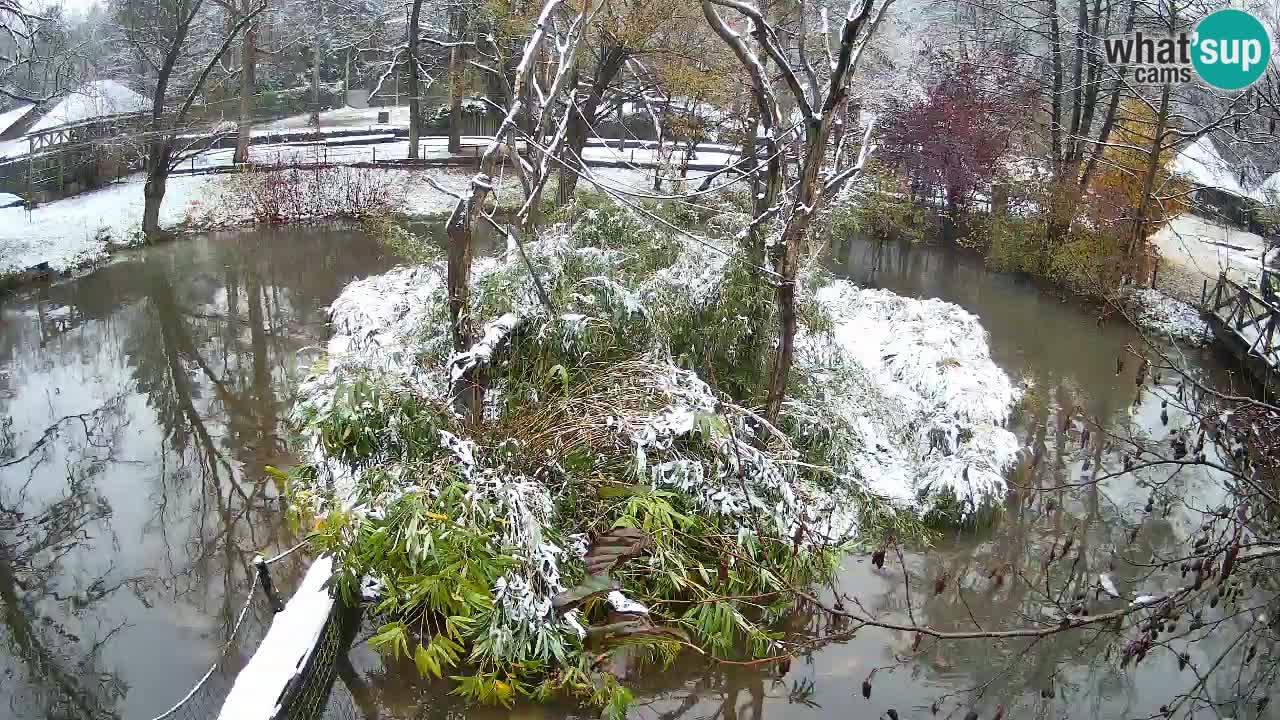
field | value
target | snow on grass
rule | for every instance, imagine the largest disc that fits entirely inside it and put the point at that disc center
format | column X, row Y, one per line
column 1168, row 318
column 70, row 233
column 284, row 652
column 896, row 406
column 919, row 404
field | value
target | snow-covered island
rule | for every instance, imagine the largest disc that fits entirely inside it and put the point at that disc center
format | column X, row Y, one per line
column 596, row 425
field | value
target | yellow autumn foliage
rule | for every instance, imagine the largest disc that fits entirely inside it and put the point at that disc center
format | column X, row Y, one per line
column 1118, row 186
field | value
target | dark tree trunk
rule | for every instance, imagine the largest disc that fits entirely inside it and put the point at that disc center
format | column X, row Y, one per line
column 248, row 78
column 583, row 116
column 158, row 157
column 457, row 64
column 1055, row 101
column 315, row 67
column 1149, row 176
column 415, row 105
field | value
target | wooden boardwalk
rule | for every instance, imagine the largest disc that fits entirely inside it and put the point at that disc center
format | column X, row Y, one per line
column 1246, row 325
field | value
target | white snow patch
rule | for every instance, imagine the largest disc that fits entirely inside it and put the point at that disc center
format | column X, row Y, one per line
column 9, row 117
column 1168, row 318
column 624, row 604
column 101, row 98
column 284, row 651
column 1201, row 162
column 931, row 409
column 1108, row 585
column 495, row 334
column 70, row 233
column 1209, row 247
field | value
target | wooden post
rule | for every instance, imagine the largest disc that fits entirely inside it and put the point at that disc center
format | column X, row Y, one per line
column 264, row 577
column 1154, row 267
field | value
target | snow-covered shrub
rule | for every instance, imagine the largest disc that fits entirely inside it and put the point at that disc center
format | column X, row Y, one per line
column 626, row 407
column 289, row 194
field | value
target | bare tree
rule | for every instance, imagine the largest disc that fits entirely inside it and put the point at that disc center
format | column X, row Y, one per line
column 35, row 64
column 794, row 206
column 555, row 41
column 171, row 38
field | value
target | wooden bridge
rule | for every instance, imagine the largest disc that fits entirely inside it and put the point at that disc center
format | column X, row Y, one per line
column 69, row 158
column 1246, row 323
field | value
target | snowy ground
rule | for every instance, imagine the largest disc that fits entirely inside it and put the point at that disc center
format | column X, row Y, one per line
column 81, row 230
column 345, row 117
column 1194, row 249
column 1167, row 317
column 379, row 147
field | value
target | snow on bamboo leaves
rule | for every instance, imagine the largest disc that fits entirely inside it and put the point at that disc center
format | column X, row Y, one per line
column 493, row 536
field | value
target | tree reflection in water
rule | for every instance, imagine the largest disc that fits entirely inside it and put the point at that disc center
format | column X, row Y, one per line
column 139, row 407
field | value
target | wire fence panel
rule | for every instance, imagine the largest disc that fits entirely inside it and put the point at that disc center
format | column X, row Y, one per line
column 308, row 694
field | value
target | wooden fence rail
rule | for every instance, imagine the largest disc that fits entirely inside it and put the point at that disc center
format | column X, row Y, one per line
column 1246, row 323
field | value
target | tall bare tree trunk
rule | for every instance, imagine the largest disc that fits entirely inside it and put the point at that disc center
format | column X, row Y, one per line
column 158, row 155
column 315, row 68
column 809, row 195
column 584, row 115
column 1149, row 175
column 415, row 106
column 248, row 79
column 457, row 64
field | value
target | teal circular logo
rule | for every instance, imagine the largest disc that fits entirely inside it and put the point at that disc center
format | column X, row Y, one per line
column 1232, row 49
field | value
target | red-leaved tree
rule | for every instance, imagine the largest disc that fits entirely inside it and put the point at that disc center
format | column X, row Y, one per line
column 948, row 143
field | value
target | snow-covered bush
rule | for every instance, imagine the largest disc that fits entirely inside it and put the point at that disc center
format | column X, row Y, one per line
column 627, row 409
column 290, row 194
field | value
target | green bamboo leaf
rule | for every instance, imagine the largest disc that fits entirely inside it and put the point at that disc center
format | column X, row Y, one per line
column 422, row 660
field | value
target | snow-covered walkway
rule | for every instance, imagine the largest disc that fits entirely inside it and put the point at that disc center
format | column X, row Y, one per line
column 78, row 231
column 1194, row 250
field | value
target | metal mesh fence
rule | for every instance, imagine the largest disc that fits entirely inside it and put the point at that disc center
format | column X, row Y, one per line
column 307, row 695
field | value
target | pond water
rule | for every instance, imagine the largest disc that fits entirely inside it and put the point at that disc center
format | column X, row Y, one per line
column 141, row 403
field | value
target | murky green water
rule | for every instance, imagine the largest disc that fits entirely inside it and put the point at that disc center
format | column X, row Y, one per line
column 140, row 405
column 157, row 385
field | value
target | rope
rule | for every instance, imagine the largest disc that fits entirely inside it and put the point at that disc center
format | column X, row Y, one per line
column 235, row 630
column 221, row 656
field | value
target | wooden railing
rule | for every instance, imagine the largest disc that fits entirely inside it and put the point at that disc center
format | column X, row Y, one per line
column 1246, row 314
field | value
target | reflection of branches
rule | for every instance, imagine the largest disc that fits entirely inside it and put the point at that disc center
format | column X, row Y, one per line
column 51, row 432
column 32, row 547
